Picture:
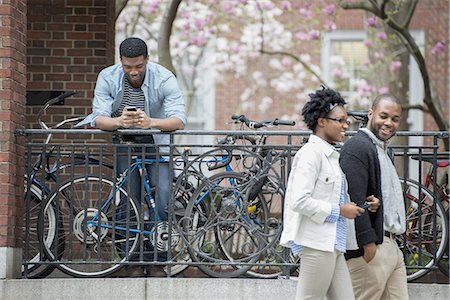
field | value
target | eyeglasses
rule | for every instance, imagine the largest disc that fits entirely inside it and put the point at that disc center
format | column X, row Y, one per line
column 340, row 120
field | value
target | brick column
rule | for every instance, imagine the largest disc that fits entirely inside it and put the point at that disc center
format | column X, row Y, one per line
column 12, row 110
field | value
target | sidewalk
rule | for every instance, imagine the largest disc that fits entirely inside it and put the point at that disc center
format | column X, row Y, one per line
column 174, row 289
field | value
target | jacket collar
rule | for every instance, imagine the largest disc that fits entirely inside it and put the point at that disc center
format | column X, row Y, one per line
column 326, row 147
column 382, row 144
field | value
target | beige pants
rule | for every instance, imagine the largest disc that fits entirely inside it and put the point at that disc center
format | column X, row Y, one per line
column 384, row 277
column 323, row 274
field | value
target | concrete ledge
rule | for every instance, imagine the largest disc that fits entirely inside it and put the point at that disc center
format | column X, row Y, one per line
column 174, row 289
column 10, row 262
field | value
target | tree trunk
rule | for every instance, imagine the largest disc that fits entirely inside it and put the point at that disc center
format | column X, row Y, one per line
column 164, row 56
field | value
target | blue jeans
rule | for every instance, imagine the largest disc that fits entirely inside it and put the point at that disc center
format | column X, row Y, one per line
column 158, row 175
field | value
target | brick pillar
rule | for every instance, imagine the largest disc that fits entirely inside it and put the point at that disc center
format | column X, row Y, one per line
column 12, row 111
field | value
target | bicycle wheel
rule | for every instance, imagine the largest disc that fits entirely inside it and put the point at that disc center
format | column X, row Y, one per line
column 102, row 226
column 179, row 253
column 272, row 255
column 426, row 232
column 32, row 254
column 223, row 236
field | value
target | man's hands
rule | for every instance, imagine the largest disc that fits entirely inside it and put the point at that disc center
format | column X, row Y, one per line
column 374, row 203
column 135, row 119
column 350, row 210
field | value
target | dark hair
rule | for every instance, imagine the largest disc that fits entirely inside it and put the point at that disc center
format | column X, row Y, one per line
column 386, row 97
column 133, row 47
column 319, row 106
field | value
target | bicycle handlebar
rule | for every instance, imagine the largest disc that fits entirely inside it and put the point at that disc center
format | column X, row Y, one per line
column 51, row 102
column 359, row 115
column 259, row 124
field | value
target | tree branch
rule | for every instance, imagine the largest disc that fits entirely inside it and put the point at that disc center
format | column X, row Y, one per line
column 164, row 56
column 410, row 13
column 120, row 5
column 364, row 5
column 305, row 65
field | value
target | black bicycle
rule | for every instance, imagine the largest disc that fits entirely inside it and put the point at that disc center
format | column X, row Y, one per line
column 232, row 222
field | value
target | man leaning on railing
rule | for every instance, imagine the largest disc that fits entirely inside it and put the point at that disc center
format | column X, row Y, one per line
column 139, row 94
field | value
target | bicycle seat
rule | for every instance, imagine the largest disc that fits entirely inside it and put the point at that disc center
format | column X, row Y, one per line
column 442, row 159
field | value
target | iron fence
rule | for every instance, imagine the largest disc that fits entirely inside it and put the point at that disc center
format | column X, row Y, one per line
column 96, row 202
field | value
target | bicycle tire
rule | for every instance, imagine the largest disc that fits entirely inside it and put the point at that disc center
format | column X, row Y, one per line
column 200, row 229
column 180, row 255
column 33, row 256
column 417, row 242
column 92, row 250
column 273, row 254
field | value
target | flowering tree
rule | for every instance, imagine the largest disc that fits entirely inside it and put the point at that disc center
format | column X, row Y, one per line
column 396, row 16
column 259, row 41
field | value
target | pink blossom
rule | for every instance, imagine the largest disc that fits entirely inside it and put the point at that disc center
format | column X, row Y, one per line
column 367, row 63
column 186, row 26
column 314, row 34
column 286, row 61
column 227, row 6
column 330, row 26
column 245, row 2
column 395, row 65
column 285, row 5
column 368, row 43
column 329, row 9
column 198, row 23
column 365, row 90
column 338, row 73
column 185, row 14
column 372, row 21
column 212, row 1
column 269, row 5
column 301, row 36
column 383, row 90
column 236, row 49
column 437, row 48
column 198, row 41
column 379, row 55
column 152, row 7
column 305, row 12
column 382, row 35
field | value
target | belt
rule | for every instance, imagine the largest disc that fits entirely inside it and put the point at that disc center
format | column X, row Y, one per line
column 389, row 234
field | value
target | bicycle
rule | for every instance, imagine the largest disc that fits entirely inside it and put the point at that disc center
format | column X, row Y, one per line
column 37, row 189
column 427, row 233
column 104, row 226
column 236, row 229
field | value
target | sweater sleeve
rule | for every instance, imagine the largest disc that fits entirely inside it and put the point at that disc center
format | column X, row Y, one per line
column 357, row 172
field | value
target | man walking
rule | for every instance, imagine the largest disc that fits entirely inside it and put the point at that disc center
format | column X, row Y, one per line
column 377, row 268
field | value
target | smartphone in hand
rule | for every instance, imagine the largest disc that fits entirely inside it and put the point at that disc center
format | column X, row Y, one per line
column 365, row 205
column 131, row 108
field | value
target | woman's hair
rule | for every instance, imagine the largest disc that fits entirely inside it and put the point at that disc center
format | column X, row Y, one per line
column 133, row 47
column 319, row 106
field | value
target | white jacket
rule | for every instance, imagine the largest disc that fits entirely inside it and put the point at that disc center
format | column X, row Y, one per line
column 314, row 186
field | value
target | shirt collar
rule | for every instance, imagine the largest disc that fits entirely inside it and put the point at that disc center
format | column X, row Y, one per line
column 326, row 147
column 382, row 144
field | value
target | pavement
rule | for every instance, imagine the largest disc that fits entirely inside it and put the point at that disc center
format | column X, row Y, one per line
column 174, row 289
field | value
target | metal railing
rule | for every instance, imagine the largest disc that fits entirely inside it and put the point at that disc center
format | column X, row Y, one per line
column 212, row 200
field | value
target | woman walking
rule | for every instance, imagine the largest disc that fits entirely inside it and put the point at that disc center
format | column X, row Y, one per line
column 318, row 215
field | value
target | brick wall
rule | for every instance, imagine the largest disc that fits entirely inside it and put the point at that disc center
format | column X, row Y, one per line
column 433, row 18
column 12, row 107
column 68, row 43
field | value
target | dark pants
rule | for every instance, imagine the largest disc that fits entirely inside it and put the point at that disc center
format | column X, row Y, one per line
column 158, row 176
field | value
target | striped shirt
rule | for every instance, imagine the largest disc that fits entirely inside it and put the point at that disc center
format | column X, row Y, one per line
column 131, row 97
column 341, row 226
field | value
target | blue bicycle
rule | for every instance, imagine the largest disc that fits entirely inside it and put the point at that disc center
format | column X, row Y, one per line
column 105, row 228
